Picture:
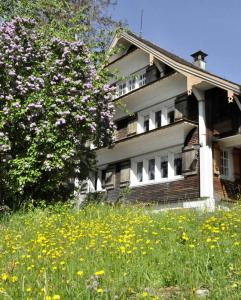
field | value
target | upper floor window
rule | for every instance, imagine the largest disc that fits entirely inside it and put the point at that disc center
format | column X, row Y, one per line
column 151, row 169
column 122, row 89
column 146, row 123
column 178, row 164
column 224, row 163
column 158, row 118
column 142, row 79
column 132, row 83
column 170, row 116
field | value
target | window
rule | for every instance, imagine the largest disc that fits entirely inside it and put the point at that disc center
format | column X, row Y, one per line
column 132, row 84
column 151, row 169
column 170, row 117
column 164, row 166
column 122, row 89
column 158, row 118
column 103, row 176
column 140, row 171
column 146, row 123
column 121, row 124
column 224, row 163
column 142, row 79
column 178, row 164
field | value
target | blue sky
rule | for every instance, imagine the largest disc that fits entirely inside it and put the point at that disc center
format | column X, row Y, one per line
column 185, row 26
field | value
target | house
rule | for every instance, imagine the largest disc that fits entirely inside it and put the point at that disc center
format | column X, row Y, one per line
column 178, row 129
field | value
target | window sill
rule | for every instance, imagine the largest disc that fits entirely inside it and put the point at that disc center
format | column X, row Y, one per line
column 151, row 182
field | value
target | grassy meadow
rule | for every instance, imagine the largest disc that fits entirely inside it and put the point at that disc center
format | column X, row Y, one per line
column 123, row 252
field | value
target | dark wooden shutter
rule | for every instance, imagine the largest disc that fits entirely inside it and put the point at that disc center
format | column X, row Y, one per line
column 189, row 160
column 132, row 126
column 124, row 173
column 110, row 178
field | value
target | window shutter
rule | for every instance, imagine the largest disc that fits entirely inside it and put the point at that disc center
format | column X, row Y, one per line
column 84, row 187
column 189, row 160
column 124, row 173
column 110, row 178
column 236, row 163
column 216, row 159
column 132, row 126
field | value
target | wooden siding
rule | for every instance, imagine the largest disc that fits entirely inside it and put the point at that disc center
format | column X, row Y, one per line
column 223, row 118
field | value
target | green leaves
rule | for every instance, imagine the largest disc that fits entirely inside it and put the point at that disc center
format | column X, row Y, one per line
column 53, row 102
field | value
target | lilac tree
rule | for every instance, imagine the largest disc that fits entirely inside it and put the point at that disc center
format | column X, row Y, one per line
column 53, row 102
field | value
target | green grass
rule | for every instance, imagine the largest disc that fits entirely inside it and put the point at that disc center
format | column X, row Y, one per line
column 124, row 252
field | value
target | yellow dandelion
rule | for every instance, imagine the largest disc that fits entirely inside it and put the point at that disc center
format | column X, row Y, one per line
column 4, row 276
column 56, row 297
column 99, row 273
column 14, row 278
column 100, row 291
column 29, row 289
column 80, row 273
column 144, row 294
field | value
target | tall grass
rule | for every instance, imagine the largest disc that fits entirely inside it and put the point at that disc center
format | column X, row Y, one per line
column 125, row 252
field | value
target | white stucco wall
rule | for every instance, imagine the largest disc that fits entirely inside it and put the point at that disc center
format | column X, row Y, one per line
column 130, row 63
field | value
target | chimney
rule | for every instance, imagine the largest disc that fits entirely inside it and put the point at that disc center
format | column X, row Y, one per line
column 199, row 59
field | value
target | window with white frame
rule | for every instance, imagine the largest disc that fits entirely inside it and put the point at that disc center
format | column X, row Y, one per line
column 161, row 168
column 156, row 116
column 122, row 89
column 178, row 164
column 151, row 169
column 132, row 83
column 158, row 119
column 170, row 116
column 142, row 79
column 224, row 163
column 146, row 123
column 164, row 166
column 140, row 171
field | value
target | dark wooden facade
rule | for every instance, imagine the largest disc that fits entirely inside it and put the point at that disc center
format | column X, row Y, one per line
column 223, row 120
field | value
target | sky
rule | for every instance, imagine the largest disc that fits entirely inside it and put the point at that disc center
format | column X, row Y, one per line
column 186, row 26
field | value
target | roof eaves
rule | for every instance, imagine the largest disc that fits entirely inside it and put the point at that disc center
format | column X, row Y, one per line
column 180, row 64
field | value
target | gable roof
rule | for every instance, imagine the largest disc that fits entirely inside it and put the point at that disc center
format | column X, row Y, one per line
column 177, row 62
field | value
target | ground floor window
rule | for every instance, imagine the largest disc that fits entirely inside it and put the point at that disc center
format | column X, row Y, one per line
column 151, row 169
column 224, row 163
column 178, row 164
column 140, row 171
column 161, row 167
column 164, row 166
